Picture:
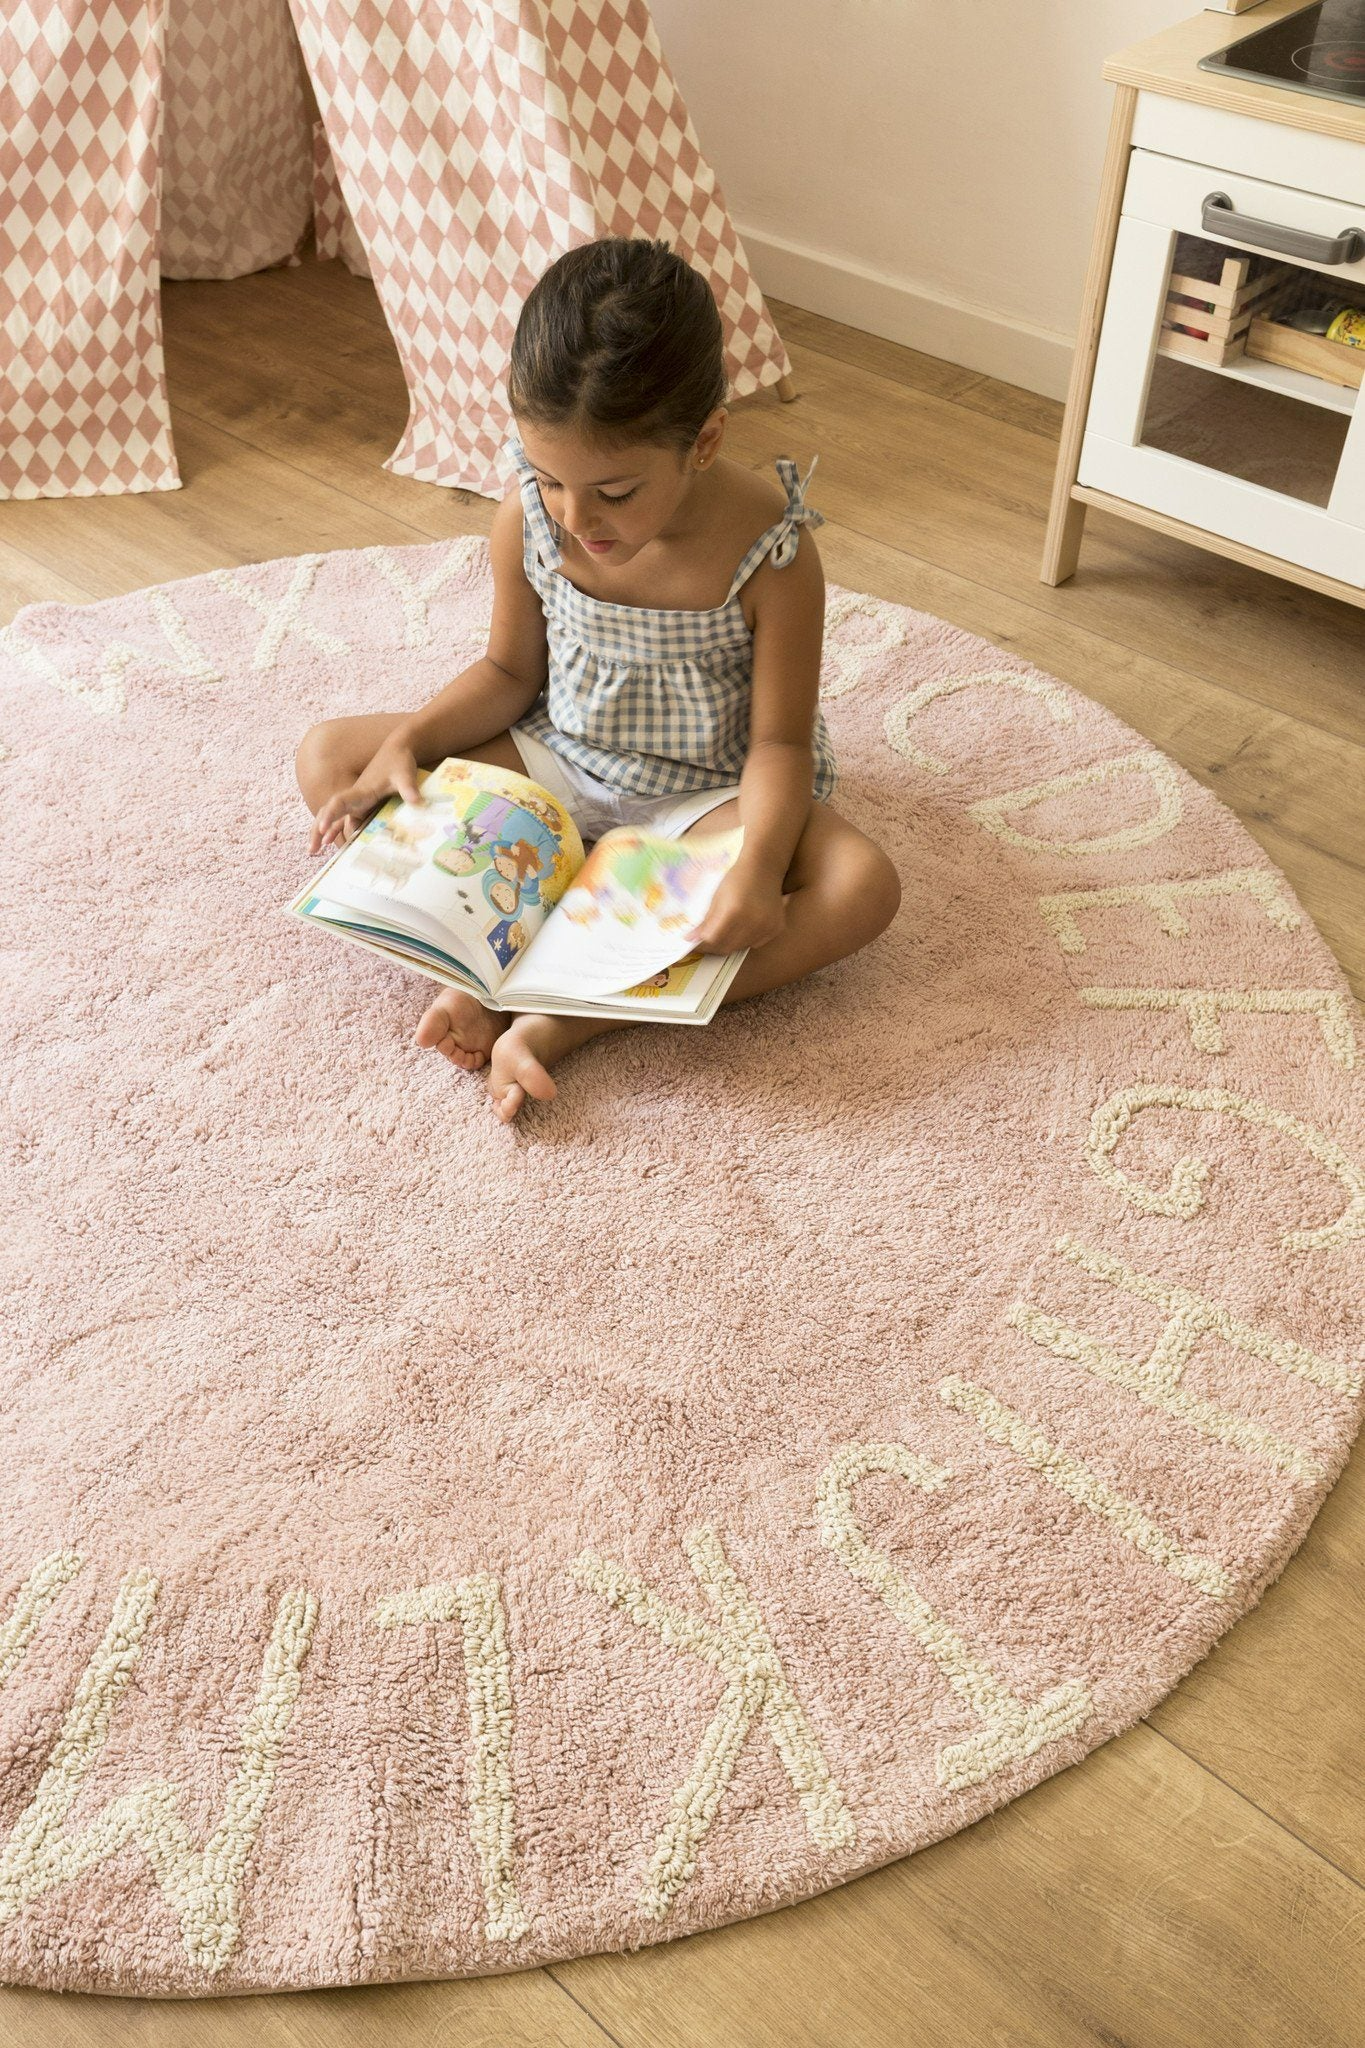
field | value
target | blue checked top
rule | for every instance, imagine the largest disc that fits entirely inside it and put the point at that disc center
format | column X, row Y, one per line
column 648, row 700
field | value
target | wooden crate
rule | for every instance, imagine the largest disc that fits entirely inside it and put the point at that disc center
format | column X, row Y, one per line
column 1336, row 361
column 1209, row 308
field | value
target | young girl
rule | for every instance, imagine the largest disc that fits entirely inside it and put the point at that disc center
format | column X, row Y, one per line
column 632, row 669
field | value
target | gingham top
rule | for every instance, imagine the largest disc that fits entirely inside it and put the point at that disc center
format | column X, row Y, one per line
column 650, row 700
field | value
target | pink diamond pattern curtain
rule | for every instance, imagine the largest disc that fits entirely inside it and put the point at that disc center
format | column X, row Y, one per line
column 333, row 229
column 82, row 387
column 459, row 146
column 475, row 141
column 237, row 140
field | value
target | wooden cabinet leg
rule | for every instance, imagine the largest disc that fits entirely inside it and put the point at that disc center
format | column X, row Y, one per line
column 1066, row 517
column 1061, row 549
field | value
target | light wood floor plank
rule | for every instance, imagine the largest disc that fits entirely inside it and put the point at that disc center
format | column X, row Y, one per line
column 524, row 2010
column 237, row 506
column 26, row 581
column 966, row 388
column 335, row 425
column 1275, row 1709
column 1134, row 1900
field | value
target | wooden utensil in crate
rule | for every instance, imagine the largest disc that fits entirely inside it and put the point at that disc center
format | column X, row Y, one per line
column 1211, row 298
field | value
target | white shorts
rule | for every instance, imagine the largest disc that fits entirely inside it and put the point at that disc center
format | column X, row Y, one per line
column 596, row 806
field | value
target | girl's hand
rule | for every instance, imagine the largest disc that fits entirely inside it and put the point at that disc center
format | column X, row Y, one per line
column 392, row 771
column 743, row 913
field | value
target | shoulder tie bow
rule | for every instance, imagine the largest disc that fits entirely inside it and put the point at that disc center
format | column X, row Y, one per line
column 798, row 512
column 542, row 526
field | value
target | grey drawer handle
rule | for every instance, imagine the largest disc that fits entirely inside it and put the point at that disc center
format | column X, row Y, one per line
column 1220, row 217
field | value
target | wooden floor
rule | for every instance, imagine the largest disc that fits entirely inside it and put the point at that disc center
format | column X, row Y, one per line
column 1201, row 1880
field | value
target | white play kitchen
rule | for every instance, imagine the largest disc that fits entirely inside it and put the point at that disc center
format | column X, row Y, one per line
column 1215, row 392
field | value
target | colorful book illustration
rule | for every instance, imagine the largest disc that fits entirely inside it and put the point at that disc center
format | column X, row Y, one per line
column 485, row 886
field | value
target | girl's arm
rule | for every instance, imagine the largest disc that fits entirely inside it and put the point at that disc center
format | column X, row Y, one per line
column 484, row 699
column 775, row 787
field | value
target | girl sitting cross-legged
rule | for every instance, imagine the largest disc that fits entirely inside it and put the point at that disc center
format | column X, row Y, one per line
column 633, row 670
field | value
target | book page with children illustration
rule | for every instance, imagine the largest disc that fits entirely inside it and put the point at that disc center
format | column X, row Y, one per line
column 485, row 886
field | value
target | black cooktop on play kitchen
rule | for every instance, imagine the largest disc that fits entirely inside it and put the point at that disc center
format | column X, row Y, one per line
column 1319, row 49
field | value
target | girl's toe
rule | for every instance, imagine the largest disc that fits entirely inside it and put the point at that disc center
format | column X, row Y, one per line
column 509, row 1102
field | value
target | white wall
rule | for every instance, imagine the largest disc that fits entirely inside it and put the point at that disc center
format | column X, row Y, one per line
column 923, row 172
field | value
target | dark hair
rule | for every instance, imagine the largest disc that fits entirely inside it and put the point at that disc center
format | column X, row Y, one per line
column 621, row 341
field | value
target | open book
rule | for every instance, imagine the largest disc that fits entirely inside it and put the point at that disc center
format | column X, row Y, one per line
column 484, row 886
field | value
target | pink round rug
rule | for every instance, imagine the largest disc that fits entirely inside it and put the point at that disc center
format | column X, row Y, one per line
column 432, row 1548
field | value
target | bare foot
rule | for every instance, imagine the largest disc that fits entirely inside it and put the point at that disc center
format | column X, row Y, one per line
column 460, row 1028
column 524, row 1054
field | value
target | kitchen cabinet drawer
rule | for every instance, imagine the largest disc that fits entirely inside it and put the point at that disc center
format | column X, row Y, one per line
column 1172, row 193
column 1267, row 150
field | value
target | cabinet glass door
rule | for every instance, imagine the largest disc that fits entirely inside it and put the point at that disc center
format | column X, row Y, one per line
column 1249, row 378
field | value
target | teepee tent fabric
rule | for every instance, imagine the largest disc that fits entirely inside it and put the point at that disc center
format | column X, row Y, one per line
column 82, row 386
column 460, row 146
column 237, row 149
column 334, row 232
column 474, row 144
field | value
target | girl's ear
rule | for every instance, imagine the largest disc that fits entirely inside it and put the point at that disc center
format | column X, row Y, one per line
column 707, row 444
